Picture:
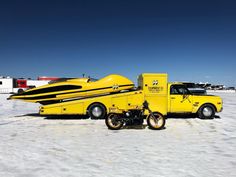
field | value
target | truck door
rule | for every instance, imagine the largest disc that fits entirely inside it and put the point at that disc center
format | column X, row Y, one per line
column 180, row 99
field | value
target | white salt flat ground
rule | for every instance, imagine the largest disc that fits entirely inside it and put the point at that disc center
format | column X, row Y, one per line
column 34, row 146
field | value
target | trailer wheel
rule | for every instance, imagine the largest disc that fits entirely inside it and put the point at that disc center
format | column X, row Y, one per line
column 206, row 111
column 20, row 91
column 156, row 122
column 113, row 122
column 97, row 111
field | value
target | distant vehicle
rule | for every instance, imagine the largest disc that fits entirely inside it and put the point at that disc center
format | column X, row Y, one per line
column 217, row 87
column 230, row 88
column 46, row 78
column 194, row 88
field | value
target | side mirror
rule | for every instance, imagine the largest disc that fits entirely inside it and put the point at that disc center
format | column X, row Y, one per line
column 185, row 96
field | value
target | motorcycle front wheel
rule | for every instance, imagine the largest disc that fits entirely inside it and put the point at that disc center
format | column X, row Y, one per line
column 156, row 121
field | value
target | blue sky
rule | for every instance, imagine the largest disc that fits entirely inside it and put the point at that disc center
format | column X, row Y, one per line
column 191, row 40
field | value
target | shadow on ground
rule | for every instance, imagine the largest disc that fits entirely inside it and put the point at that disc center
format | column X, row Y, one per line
column 186, row 116
column 66, row 117
column 30, row 114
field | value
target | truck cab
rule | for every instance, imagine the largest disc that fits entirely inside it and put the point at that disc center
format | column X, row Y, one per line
column 181, row 100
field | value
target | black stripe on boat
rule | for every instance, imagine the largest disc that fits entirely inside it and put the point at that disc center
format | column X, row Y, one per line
column 51, row 89
column 54, row 95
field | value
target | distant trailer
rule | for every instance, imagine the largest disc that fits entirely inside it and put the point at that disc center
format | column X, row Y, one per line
column 11, row 85
column 45, row 78
column 36, row 83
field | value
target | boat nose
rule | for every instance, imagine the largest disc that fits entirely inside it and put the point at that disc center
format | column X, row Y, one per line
column 9, row 98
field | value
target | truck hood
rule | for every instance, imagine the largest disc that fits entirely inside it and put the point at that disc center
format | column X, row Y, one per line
column 210, row 98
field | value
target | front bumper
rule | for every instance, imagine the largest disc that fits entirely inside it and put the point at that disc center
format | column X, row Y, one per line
column 221, row 109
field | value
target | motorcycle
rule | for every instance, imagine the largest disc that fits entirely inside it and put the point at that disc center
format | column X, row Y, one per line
column 155, row 120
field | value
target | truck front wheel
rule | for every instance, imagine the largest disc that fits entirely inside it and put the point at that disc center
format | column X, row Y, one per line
column 156, row 121
column 206, row 111
column 97, row 111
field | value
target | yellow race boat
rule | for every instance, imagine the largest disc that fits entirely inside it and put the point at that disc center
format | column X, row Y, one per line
column 75, row 89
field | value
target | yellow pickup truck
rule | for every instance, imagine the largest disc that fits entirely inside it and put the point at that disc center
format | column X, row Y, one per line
column 181, row 100
column 162, row 97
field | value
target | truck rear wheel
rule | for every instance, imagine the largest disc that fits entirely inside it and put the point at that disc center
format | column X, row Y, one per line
column 156, row 121
column 114, row 122
column 206, row 111
column 97, row 111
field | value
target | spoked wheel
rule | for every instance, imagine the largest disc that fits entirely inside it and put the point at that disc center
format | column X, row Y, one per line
column 114, row 122
column 156, row 121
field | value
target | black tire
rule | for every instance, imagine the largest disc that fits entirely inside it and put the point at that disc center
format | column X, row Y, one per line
column 113, row 122
column 97, row 111
column 156, row 123
column 206, row 111
column 20, row 91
